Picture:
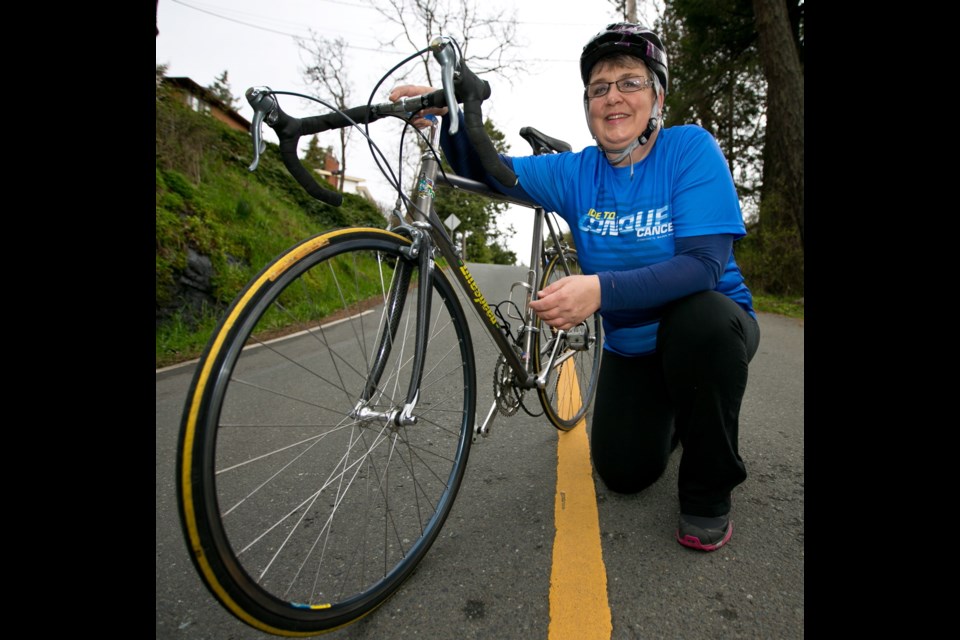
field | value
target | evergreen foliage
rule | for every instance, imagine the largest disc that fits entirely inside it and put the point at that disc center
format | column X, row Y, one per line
column 718, row 80
column 478, row 215
column 315, row 156
column 222, row 91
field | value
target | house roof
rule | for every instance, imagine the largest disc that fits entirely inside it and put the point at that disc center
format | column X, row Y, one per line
column 189, row 85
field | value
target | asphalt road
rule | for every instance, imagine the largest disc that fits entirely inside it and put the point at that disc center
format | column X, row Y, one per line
column 488, row 575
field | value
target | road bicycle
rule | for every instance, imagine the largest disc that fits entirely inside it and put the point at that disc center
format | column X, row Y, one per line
column 328, row 425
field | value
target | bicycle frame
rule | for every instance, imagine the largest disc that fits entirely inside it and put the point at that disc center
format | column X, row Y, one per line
column 428, row 234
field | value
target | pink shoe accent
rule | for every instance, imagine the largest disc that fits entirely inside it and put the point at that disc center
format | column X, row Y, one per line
column 694, row 542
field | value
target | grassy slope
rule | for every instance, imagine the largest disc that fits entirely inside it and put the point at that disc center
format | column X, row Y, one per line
column 208, row 201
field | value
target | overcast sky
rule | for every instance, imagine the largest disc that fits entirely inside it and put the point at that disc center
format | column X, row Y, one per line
column 256, row 43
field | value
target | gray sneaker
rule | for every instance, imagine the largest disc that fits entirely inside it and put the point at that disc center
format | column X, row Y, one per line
column 704, row 534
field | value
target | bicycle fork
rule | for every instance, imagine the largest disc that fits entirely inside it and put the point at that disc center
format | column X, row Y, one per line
column 421, row 250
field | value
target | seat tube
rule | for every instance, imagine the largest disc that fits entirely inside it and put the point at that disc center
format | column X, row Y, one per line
column 558, row 244
column 537, row 264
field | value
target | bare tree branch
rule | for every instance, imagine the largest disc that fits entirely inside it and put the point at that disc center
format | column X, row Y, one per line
column 422, row 20
column 327, row 73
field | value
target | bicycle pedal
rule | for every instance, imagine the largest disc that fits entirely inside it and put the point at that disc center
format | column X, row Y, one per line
column 577, row 341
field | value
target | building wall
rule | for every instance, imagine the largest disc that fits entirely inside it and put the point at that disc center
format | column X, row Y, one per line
column 331, row 165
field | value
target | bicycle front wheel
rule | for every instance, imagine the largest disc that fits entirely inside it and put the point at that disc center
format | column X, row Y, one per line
column 573, row 358
column 304, row 504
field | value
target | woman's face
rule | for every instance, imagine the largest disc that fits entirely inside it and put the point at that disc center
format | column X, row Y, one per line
column 616, row 119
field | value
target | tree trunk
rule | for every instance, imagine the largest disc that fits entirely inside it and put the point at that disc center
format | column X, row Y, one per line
column 783, row 151
column 343, row 159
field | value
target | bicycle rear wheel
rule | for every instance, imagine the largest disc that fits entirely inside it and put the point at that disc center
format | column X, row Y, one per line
column 572, row 379
column 300, row 516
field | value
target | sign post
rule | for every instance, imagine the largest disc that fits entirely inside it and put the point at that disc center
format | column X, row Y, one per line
column 452, row 222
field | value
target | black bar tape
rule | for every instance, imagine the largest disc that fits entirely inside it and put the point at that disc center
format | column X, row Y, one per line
column 288, row 153
column 335, row 120
column 473, row 91
column 290, row 130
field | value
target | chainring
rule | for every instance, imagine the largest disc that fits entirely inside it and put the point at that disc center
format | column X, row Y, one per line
column 505, row 391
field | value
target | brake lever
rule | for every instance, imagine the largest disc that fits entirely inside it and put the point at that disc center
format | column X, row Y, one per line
column 446, row 55
column 265, row 108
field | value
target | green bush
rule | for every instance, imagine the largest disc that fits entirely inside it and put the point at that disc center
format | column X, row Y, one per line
column 772, row 261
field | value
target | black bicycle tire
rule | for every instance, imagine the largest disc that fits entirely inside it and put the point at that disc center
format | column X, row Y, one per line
column 207, row 541
column 567, row 422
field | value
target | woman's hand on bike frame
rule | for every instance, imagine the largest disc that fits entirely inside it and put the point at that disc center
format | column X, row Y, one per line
column 411, row 90
column 568, row 301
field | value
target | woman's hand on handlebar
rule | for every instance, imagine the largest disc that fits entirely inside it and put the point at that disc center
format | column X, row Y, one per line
column 411, row 90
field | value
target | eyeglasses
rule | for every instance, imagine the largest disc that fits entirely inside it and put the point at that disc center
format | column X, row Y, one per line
column 626, row 85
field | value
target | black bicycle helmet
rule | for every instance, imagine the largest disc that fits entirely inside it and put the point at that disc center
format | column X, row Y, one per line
column 631, row 39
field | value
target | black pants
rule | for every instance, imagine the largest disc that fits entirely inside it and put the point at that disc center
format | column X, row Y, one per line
column 693, row 384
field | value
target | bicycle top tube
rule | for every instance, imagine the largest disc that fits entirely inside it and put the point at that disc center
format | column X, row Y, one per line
column 480, row 188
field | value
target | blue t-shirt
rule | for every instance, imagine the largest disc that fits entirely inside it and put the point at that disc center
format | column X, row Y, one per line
column 621, row 222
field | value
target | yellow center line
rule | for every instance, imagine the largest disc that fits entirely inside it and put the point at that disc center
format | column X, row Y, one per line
column 579, row 609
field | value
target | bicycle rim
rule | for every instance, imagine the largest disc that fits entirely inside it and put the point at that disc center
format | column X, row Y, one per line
column 572, row 380
column 300, row 518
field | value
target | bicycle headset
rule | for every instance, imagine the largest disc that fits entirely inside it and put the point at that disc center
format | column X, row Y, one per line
column 631, row 39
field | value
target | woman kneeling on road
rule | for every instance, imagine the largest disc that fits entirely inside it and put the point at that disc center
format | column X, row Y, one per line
column 654, row 214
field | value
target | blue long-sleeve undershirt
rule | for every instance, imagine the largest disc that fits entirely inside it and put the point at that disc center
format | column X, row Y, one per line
column 698, row 263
